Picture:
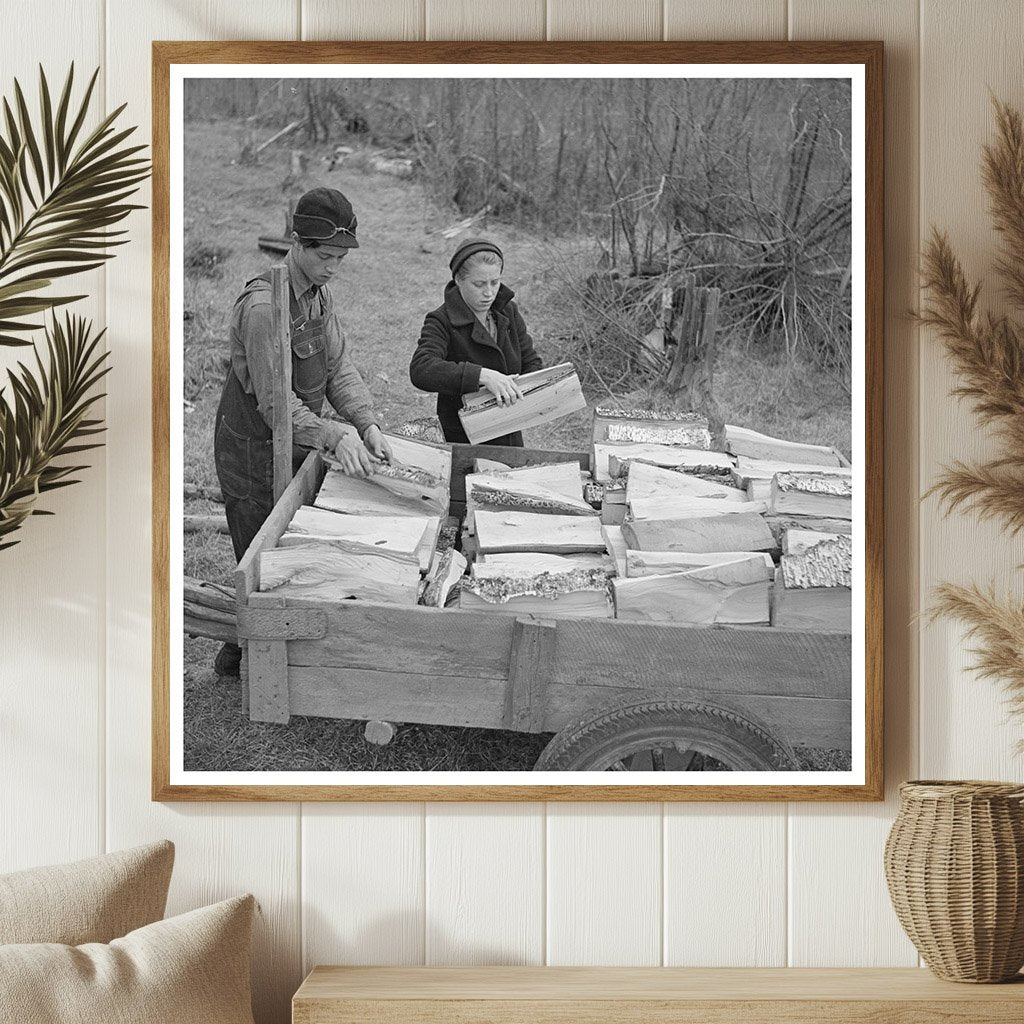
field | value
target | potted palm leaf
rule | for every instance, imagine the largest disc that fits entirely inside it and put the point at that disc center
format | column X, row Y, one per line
column 63, row 189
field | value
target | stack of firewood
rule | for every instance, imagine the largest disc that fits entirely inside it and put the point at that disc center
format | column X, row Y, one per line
column 538, row 545
column 756, row 535
column 381, row 538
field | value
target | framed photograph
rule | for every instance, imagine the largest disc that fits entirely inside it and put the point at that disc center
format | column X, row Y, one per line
column 517, row 421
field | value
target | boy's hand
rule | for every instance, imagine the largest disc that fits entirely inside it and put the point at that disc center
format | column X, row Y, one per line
column 377, row 444
column 352, row 456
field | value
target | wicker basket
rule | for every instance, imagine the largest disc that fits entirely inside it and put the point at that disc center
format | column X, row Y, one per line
column 954, row 861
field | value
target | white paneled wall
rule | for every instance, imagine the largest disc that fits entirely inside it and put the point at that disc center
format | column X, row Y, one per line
column 743, row 884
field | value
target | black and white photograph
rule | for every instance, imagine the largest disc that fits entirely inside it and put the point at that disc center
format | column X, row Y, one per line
column 519, row 428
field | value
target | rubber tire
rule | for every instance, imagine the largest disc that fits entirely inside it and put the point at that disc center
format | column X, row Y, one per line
column 593, row 742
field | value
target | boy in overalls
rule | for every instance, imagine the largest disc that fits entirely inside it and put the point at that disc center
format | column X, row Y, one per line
column 324, row 229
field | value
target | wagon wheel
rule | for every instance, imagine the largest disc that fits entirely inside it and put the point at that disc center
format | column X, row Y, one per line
column 665, row 735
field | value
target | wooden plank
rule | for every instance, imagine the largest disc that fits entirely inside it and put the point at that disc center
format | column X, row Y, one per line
column 434, row 641
column 531, row 563
column 268, row 671
column 588, row 602
column 610, row 421
column 528, row 384
column 657, row 454
column 816, row 608
column 741, row 660
column 504, row 492
column 692, row 508
column 755, row 445
column 780, row 524
column 736, row 532
column 759, row 490
column 519, row 992
column 281, row 369
column 432, row 458
column 729, row 593
column 298, row 493
column 812, row 494
column 564, row 477
column 330, row 573
column 408, row 534
column 615, row 544
column 525, row 531
column 747, row 469
column 543, row 405
column 366, row 496
column 489, row 466
column 728, row 19
column 450, row 568
column 366, row 695
column 464, row 455
column 484, row 874
column 613, row 514
column 647, row 481
column 428, row 699
column 604, row 883
column 532, row 647
column 656, row 563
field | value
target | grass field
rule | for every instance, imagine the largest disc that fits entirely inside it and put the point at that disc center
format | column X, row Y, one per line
column 386, row 286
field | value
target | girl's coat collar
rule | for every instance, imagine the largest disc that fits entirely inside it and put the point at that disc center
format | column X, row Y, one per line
column 459, row 314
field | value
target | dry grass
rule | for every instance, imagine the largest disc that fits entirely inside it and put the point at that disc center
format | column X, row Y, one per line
column 386, row 288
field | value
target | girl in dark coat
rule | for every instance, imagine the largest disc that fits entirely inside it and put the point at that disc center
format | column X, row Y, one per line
column 476, row 339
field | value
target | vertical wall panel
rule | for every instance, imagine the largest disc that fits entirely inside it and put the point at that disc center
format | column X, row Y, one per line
column 836, row 851
column 604, row 884
column 51, row 582
column 222, row 848
column 469, row 19
column 725, row 866
column 604, row 19
column 362, row 884
column 966, row 51
column 485, row 884
column 725, row 885
column 725, row 19
column 363, row 19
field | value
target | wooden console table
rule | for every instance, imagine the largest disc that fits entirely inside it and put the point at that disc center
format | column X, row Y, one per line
column 645, row 995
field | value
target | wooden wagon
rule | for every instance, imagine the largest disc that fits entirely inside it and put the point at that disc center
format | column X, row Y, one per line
column 618, row 695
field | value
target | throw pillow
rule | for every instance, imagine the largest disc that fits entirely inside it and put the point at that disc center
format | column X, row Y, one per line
column 92, row 900
column 190, row 969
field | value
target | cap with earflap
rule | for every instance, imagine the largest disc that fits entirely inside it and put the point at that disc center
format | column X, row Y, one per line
column 324, row 215
column 470, row 247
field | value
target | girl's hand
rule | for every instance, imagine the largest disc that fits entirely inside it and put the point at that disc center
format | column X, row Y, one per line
column 504, row 388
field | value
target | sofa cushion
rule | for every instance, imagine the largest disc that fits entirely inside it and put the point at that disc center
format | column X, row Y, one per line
column 190, row 969
column 92, row 900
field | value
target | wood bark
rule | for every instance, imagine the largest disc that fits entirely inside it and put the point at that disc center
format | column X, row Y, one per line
column 812, row 494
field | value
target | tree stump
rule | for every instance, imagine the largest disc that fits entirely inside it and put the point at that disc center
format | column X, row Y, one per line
column 691, row 375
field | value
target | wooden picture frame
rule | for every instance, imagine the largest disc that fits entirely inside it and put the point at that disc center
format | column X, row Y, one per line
column 522, row 667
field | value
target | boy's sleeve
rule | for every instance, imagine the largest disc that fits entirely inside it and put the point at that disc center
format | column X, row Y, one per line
column 346, row 390
column 431, row 370
column 529, row 360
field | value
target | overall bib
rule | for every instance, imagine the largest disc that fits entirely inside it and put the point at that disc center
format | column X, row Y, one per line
column 243, row 443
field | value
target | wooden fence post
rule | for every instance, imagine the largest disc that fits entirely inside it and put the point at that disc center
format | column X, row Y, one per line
column 282, row 363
